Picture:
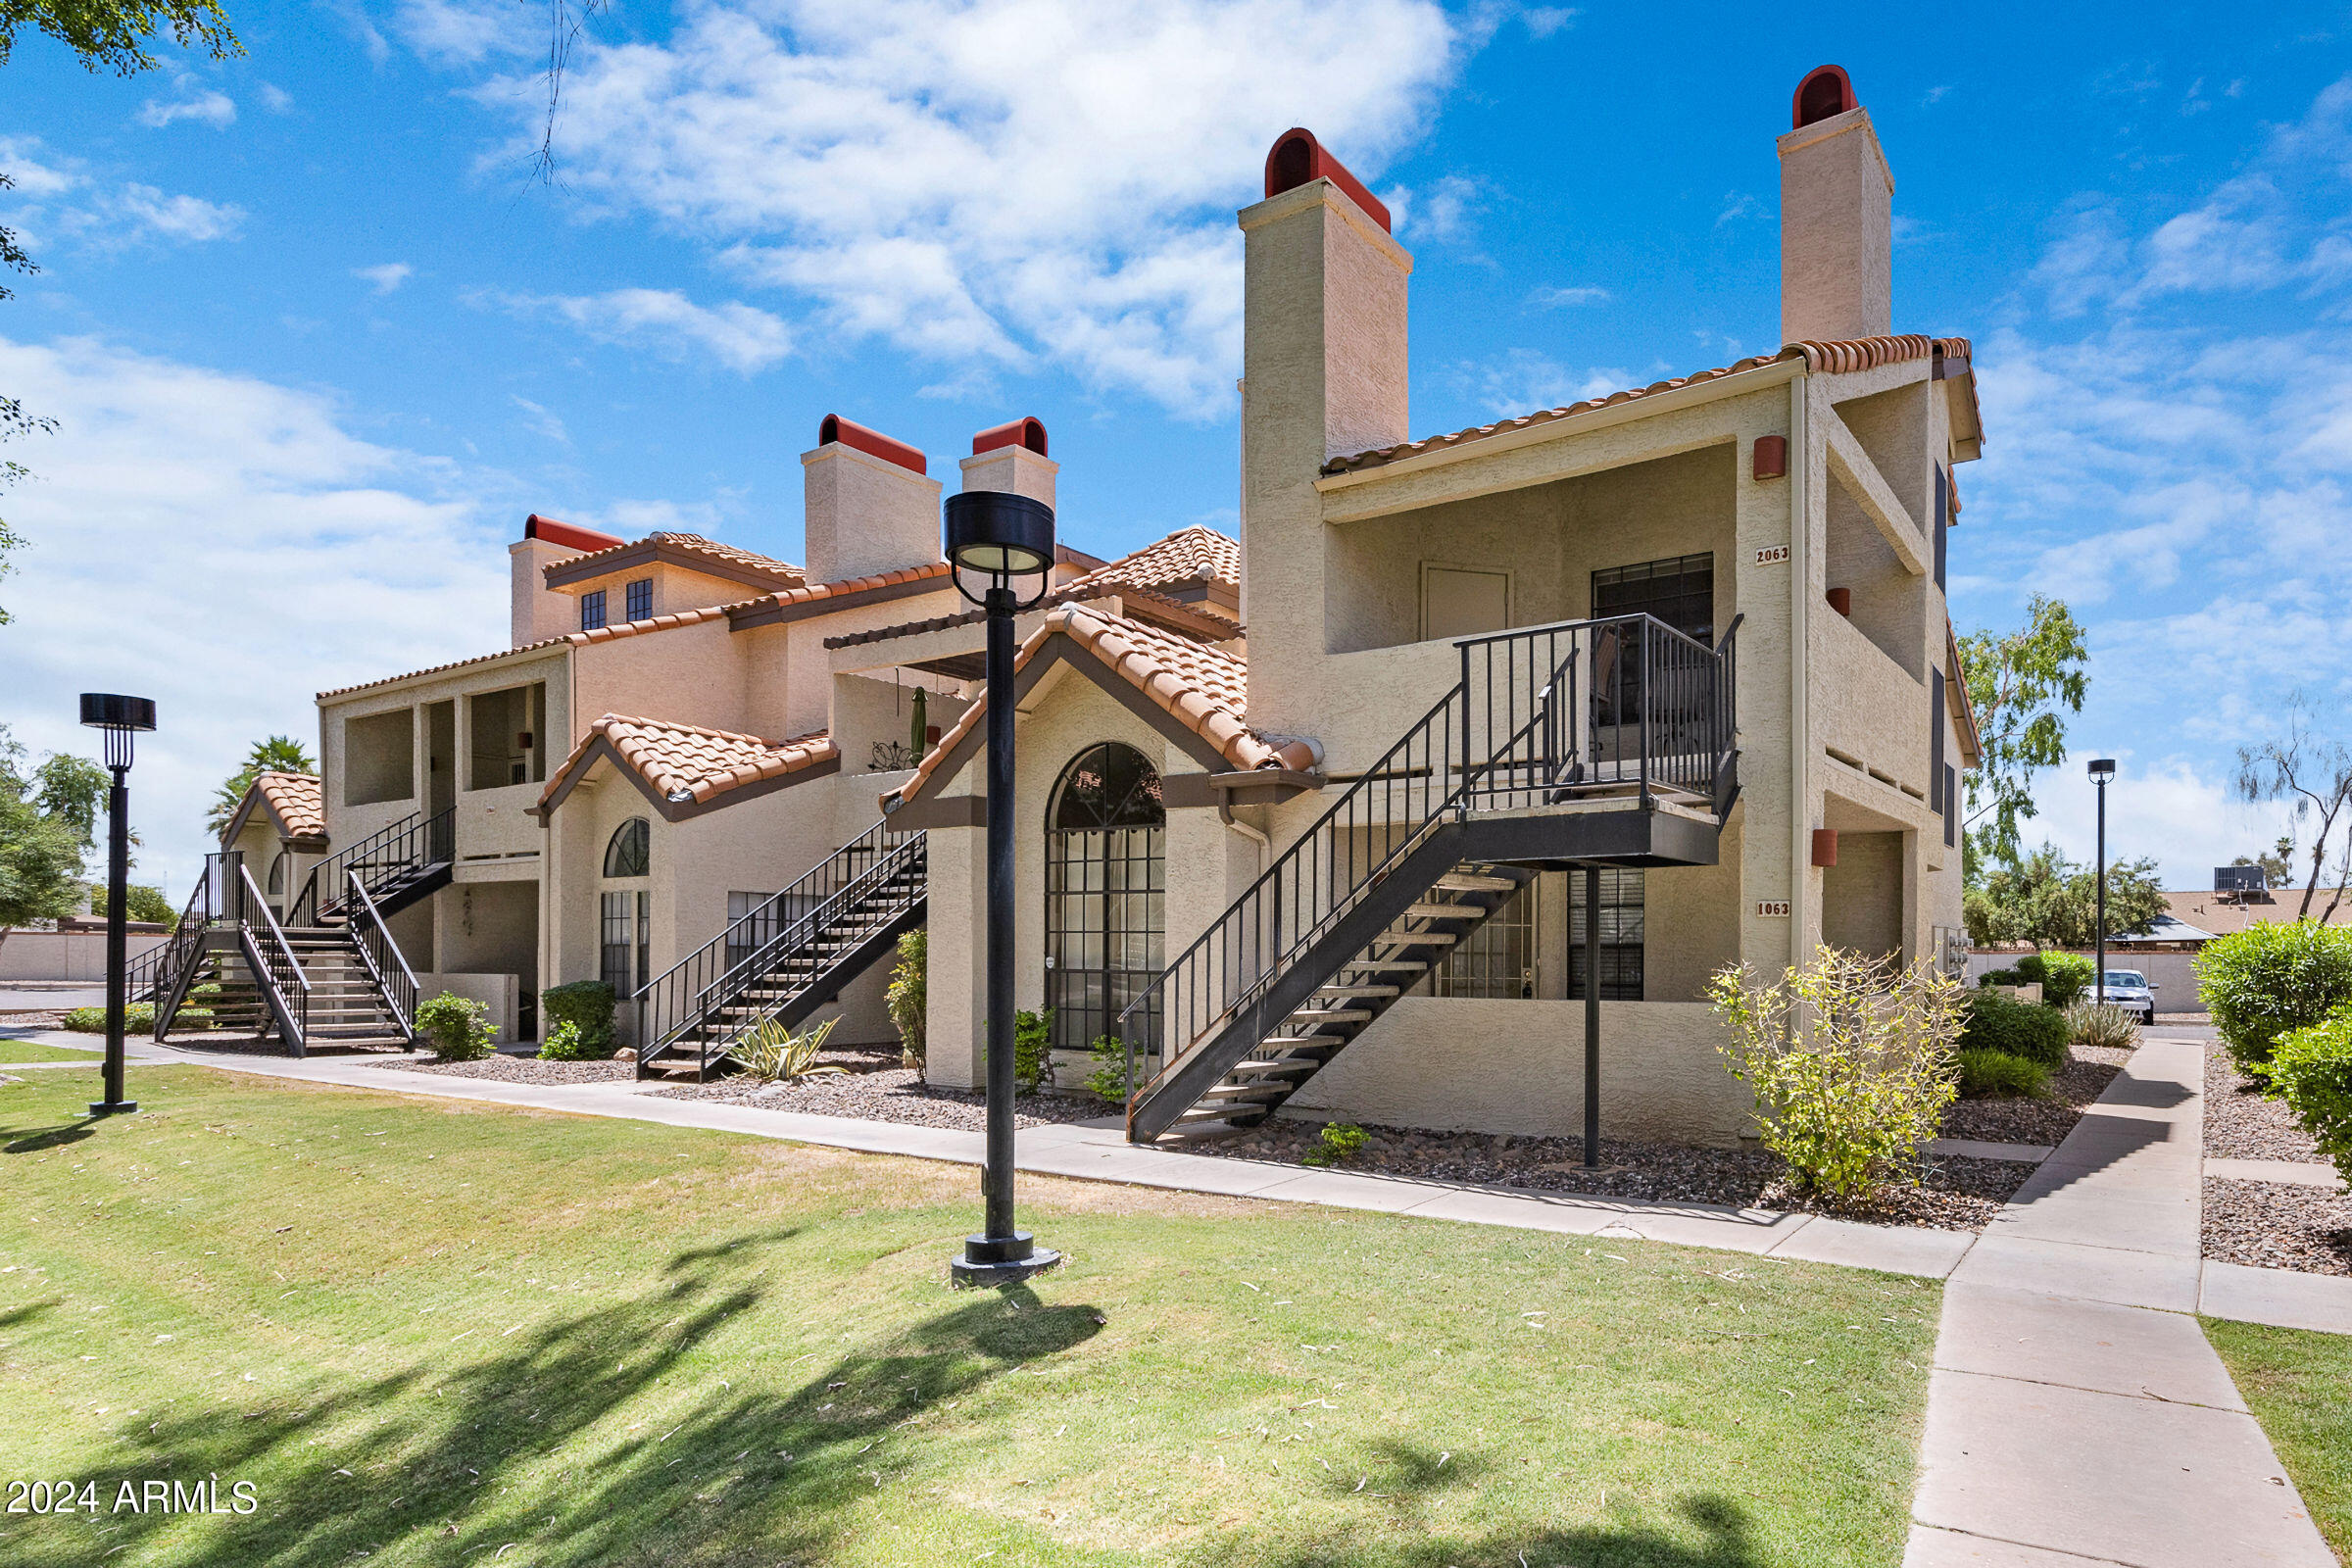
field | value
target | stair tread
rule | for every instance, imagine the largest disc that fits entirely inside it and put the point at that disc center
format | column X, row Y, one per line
column 1476, row 882
column 1442, row 912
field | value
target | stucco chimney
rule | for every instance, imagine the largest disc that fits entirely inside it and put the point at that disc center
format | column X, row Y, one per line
column 1323, row 372
column 1837, row 202
column 870, row 507
column 538, row 611
column 1013, row 457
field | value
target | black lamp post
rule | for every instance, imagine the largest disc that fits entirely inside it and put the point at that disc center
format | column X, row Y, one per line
column 1009, row 540
column 2102, row 768
column 120, row 717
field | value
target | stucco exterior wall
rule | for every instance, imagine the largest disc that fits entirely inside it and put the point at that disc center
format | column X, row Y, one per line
column 1505, row 1066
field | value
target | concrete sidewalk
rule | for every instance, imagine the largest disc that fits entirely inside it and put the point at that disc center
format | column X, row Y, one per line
column 2077, row 1414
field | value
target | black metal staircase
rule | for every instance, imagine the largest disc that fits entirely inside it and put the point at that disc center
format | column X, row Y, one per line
column 787, row 957
column 397, row 866
column 1605, row 741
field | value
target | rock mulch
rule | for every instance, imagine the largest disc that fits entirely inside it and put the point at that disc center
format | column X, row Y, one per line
column 2278, row 1225
column 523, row 1071
column 2266, row 1224
column 2074, row 1089
column 2240, row 1123
column 32, row 1020
column 1957, row 1194
column 873, row 1087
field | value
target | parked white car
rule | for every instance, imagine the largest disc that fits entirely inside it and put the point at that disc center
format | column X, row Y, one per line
column 2130, row 990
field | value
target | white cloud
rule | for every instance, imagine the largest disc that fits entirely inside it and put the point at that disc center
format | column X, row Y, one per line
column 214, row 109
column 449, row 33
column 1525, row 380
column 1448, row 212
column 58, row 195
column 274, row 98
column 2167, row 809
column 1581, row 294
column 998, row 182
column 386, row 276
column 539, row 420
column 1545, row 20
column 227, row 546
column 742, row 337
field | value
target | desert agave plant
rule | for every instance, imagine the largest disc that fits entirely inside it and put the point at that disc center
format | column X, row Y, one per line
column 2097, row 1023
column 775, row 1054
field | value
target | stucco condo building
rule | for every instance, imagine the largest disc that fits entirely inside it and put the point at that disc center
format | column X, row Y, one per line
column 1338, row 819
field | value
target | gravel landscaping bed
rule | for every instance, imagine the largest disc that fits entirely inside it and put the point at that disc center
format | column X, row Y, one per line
column 523, row 1071
column 873, row 1087
column 1957, row 1194
column 2073, row 1091
column 33, row 1020
column 2278, row 1225
column 2241, row 1124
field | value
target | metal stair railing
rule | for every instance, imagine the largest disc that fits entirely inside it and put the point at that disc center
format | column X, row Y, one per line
column 285, row 985
column 682, row 998
column 175, row 962
column 382, row 858
column 387, row 969
column 1538, row 716
column 865, row 894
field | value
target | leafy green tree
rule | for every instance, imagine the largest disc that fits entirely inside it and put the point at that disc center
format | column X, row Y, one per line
column 2278, row 866
column 279, row 754
column 107, row 36
column 2022, row 685
column 2051, row 901
column 140, row 902
column 40, row 851
column 73, row 789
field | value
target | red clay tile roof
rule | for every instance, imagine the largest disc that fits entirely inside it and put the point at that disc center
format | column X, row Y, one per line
column 638, row 628
column 693, row 545
column 297, row 799
column 1186, row 555
column 849, row 585
column 1857, row 354
column 686, row 761
column 455, row 664
column 1204, row 688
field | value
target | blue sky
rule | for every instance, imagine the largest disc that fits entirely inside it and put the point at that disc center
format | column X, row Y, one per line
column 316, row 340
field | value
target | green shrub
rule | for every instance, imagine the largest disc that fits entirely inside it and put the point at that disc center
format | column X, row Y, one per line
column 2022, row 1029
column 1109, row 1078
column 2267, row 980
column 2311, row 1069
column 2062, row 976
column 587, row 1005
column 2101, row 1023
column 456, row 1030
column 1851, row 1062
column 906, row 996
column 773, row 1054
column 1996, row 1072
column 1032, row 1050
column 138, row 1019
column 1999, row 977
column 563, row 1044
column 1342, row 1142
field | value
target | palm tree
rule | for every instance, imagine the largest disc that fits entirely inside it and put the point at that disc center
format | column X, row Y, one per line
column 279, row 754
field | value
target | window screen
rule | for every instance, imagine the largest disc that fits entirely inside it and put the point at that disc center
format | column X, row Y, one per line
column 1621, row 935
column 1680, row 591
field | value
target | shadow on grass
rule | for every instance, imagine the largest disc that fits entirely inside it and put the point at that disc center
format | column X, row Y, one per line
column 27, row 1141
column 455, row 1460
column 1728, row 1543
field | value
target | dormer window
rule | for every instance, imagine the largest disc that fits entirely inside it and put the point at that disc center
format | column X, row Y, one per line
column 592, row 610
column 640, row 599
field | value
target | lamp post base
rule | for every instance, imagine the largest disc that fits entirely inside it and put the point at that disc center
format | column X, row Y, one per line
column 1000, row 1260
column 113, row 1108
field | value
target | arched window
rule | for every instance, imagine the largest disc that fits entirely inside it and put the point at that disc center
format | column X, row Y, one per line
column 278, row 875
column 630, row 851
column 1106, row 882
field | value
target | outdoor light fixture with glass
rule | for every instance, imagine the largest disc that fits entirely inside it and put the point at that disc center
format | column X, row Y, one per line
column 120, row 717
column 2102, row 768
column 1007, row 540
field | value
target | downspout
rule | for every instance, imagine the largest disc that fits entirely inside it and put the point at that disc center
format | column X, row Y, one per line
column 1801, row 601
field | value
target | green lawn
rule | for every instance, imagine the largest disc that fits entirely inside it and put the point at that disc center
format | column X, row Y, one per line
column 2299, row 1385
column 429, row 1332
column 14, row 1050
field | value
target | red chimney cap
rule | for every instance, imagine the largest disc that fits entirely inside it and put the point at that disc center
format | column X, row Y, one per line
column 873, row 443
column 1029, row 433
column 1826, row 90
column 570, row 535
column 1296, row 157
